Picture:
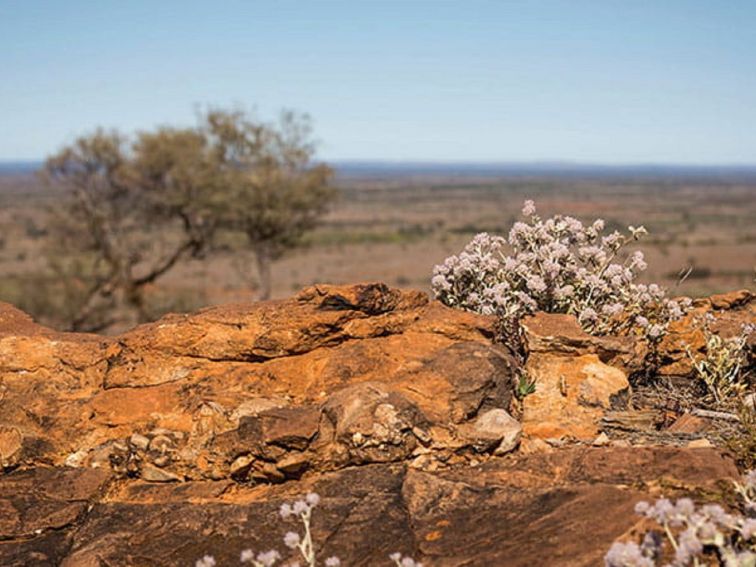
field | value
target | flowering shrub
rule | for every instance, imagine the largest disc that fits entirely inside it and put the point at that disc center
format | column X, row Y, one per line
column 722, row 366
column 302, row 543
column 695, row 534
column 557, row 265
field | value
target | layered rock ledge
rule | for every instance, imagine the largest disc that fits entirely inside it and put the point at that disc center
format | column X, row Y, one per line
column 182, row 437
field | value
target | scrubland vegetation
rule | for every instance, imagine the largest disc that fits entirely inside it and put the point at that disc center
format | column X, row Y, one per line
column 391, row 228
column 560, row 265
column 119, row 229
column 128, row 208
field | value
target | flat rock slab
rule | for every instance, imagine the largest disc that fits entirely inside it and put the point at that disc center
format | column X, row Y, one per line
column 520, row 511
column 336, row 376
column 183, row 437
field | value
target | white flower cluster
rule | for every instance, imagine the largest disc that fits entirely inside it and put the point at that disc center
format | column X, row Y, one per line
column 301, row 509
column 404, row 561
column 557, row 265
column 694, row 533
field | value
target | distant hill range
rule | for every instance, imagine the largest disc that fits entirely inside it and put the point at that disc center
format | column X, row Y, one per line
column 395, row 169
column 384, row 169
column 19, row 167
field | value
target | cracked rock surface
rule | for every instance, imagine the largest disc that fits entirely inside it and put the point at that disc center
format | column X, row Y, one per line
column 182, row 437
column 538, row 509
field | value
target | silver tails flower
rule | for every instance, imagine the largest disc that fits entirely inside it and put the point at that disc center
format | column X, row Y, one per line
column 557, row 265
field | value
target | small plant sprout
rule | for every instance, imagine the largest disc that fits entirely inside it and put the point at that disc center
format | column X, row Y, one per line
column 723, row 365
column 695, row 534
column 558, row 265
column 525, row 385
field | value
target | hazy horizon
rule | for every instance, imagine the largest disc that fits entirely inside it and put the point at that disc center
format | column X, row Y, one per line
column 397, row 168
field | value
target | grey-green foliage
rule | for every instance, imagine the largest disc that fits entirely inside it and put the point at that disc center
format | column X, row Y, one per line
column 138, row 205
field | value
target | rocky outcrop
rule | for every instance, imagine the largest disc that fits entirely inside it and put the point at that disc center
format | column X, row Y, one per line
column 184, row 436
column 532, row 510
column 730, row 311
column 332, row 378
column 574, row 385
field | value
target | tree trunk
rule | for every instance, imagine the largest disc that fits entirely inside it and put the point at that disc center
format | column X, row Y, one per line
column 264, row 260
column 135, row 299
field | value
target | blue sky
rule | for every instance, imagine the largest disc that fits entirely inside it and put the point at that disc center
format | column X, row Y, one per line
column 658, row 81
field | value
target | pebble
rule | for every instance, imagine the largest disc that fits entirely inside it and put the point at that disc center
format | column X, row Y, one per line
column 160, row 443
column 601, row 441
column 151, row 473
column 700, row 444
column 161, row 461
column 241, row 463
column 139, row 441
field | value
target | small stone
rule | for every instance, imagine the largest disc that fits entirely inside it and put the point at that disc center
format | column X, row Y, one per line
column 187, row 454
column 271, row 473
column 601, row 441
column 420, row 462
column 534, row 445
column 160, row 443
column 688, row 423
column 151, row 473
column 700, row 444
column 494, row 429
column 76, row 459
column 161, row 461
column 422, row 436
column 241, row 465
column 10, row 443
column 139, row 441
column 293, row 463
column 357, row 439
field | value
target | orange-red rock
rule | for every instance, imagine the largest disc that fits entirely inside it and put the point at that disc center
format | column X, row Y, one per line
column 573, row 387
column 332, row 377
column 730, row 311
column 182, row 437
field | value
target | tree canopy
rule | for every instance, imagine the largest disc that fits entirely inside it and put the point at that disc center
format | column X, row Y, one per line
column 138, row 205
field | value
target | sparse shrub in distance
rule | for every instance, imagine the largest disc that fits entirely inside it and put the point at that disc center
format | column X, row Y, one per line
column 302, row 543
column 123, row 218
column 696, row 535
column 558, row 265
column 272, row 189
column 723, row 367
column 136, row 206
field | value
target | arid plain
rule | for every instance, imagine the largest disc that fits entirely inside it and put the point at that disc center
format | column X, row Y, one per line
column 395, row 226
